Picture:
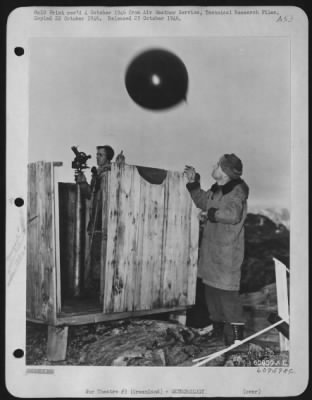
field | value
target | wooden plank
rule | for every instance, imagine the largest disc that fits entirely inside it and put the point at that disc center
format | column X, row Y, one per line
column 282, row 299
column 189, row 244
column 123, row 257
column 168, row 249
column 32, row 223
column 41, row 304
column 284, row 343
column 36, row 260
column 149, row 245
column 193, row 232
column 282, row 291
column 105, row 207
column 121, row 280
column 139, row 242
column 154, row 249
column 56, row 236
column 80, row 319
column 175, row 245
column 48, row 261
column 111, row 267
column 131, row 213
column 63, row 228
column 173, row 238
column 40, row 243
column 164, row 240
column 57, row 343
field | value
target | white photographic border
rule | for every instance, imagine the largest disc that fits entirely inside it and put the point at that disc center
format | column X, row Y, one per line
column 81, row 381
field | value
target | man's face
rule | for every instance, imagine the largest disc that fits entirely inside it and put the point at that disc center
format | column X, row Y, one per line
column 101, row 157
column 217, row 172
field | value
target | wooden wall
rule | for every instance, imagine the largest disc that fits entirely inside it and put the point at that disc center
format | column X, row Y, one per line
column 152, row 246
column 149, row 260
column 41, row 247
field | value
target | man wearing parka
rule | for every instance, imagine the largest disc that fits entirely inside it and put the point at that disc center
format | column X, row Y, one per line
column 224, row 210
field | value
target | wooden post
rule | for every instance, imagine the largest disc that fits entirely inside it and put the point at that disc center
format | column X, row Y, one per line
column 57, row 343
column 77, row 245
column 105, row 198
column 282, row 299
column 56, row 236
column 42, row 245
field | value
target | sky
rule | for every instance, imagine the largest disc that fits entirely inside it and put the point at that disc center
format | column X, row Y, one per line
column 238, row 101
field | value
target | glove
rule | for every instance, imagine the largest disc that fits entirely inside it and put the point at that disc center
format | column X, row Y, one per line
column 202, row 216
column 211, row 214
column 190, row 173
column 120, row 159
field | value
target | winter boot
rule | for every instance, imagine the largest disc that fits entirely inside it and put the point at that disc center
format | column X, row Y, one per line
column 233, row 333
column 238, row 332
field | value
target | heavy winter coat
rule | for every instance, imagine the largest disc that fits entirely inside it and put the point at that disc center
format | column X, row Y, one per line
column 222, row 245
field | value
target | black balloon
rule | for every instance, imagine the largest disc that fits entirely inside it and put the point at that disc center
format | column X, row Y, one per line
column 157, row 79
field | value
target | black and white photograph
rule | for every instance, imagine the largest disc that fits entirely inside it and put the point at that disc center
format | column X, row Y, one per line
column 160, row 202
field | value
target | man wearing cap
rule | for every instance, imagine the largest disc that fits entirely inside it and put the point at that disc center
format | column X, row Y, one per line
column 224, row 209
column 97, row 232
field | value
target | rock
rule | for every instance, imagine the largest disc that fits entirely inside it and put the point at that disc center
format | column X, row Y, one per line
column 125, row 358
column 253, row 348
column 175, row 334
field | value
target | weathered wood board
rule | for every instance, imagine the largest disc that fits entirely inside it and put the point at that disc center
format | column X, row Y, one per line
column 41, row 243
column 152, row 244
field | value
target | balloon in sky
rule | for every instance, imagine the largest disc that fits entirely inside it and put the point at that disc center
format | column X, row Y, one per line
column 157, row 79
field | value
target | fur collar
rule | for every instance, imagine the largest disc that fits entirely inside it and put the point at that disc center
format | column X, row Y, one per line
column 228, row 187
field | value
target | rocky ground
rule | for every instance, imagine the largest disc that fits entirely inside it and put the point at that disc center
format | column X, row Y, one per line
column 156, row 341
column 143, row 342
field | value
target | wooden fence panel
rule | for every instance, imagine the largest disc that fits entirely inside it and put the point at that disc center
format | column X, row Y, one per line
column 41, row 258
column 176, row 243
column 152, row 243
column 149, row 249
column 121, row 257
column 192, row 260
column 105, row 199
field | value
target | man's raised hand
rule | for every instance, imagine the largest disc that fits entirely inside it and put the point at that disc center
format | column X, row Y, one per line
column 190, row 173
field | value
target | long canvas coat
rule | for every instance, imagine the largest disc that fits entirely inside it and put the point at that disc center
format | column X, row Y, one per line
column 222, row 246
